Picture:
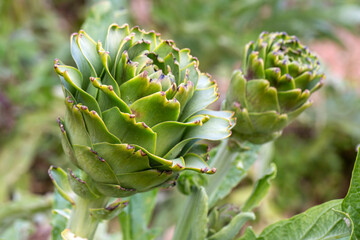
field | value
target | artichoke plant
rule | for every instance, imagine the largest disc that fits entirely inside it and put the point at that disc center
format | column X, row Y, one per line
column 279, row 75
column 135, row 108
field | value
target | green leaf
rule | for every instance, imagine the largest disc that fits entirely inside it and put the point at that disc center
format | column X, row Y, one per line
column 73, row 77
column 69, row 152
column 237, row 90
column 230, row 172
column 60, row 180
column 191, row 73
column 114, row 40
column 107, row 97
column 261, row 97
column 186, row 58
column 74, row 125
column 170, row 133
column 114, row 190
column 200, row 100
column 138, row 48
column 95, row 166
column 96, row 127
column 213, row 129
column 108, row 212
column 196, row 163
column 81, row 187
column 193, row 221
column 248, row 235
column 291, row 99
column 125, row 128
column 122, row 158
column 88, row 48
column 351, row 203
column 144, row 180
column 232, row 229
column 260, row 189
column 184, row 93
column 319, row 222
column 138, row 87
column 82, row 63
column 155, row 109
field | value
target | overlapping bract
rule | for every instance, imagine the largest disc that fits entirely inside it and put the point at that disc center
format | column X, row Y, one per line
column 279, row 75
column 135, row 109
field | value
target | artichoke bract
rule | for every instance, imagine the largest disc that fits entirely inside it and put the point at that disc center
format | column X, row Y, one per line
column 279, row 75
column 135, row 108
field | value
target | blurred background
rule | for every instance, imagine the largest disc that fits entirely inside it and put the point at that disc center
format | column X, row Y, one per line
column 314, row 156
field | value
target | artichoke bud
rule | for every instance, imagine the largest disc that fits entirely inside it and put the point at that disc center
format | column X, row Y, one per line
column 220, row 217
column 279, row 75
column 135, row 110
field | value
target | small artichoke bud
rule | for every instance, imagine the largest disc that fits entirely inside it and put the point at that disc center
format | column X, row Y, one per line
column 135, row 109
column 220, row 217
column 279, row 75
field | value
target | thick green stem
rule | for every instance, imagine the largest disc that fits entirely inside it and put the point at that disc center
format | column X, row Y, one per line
column 194, row 216
column 222, row 162
column 81, row 223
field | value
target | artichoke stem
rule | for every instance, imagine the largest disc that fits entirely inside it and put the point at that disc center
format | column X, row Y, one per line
column 222, row 162
column 82, row 223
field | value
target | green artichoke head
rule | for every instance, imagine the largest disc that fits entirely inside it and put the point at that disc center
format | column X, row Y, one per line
column 279, row 75
column 135, row 108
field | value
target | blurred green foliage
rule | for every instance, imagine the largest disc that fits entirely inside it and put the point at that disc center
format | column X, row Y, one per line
column 216, row 31
column 315, row 156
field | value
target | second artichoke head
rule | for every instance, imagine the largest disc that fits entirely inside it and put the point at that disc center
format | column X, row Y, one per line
column 279, row 75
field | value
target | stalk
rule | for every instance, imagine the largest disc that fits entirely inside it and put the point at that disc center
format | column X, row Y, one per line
column 82, row 223
column 194, row 216
column 222, row 162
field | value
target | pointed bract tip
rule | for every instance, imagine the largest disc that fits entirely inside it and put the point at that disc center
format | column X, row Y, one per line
column 129, row 147
column 142, row 153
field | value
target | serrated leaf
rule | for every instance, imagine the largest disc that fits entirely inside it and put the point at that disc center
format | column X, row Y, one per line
column 351, row 203
column 319, row 222
column 260, row 189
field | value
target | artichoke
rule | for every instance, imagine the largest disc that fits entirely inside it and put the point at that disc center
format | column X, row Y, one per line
column 135, row 108
column 279, row 75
